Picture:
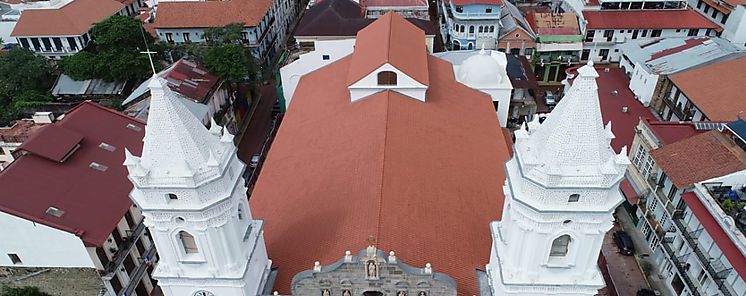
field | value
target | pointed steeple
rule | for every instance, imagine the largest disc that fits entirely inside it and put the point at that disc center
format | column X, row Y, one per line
column 573, row 141
column 176, row 142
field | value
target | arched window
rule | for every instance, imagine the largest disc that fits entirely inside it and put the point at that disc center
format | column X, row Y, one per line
column 386, row 78
column 188, row 243
column 560, row 246
column 574, row 197
column 172, row 196
column 240, row 212
column 462, row 28
column 456, row 45
column 481, row 29
column 471, row 29
column 492, row 29
column 470, row 46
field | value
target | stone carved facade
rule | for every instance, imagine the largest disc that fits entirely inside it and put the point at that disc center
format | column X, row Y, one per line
column 372, row 271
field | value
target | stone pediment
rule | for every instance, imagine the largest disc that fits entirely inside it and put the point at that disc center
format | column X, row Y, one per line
column 371, row 272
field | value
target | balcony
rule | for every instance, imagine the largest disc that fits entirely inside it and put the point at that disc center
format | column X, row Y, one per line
column 714, row 267
column 123, row 250
column 681, row 267
column 676, row 111
column 137, row 274
column 650, row 217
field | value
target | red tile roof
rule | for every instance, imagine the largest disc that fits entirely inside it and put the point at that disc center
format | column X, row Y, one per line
column 629, row 191
column 417, row 176
column 647, row 19
column 75, row 18
column 716, row 232
column 722, row 99
column 698, row 158
column 622, row 123
column 208, row 14
column 688, row 43
column 191, row 80
column 93, row 201
column 19, row 131
column 673, row 131
column 393, row 40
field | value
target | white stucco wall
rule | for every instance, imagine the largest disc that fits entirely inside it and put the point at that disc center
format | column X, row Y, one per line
column 405, row 85
column 642, row 84
column 735, row 27
column 39, row 245
column 309, row 62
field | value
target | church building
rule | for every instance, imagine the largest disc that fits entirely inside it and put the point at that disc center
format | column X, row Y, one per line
column 385, row 178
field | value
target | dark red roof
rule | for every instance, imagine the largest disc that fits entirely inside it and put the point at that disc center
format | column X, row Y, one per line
column 53, row 143
column 396, row 3
column 629, row 191
column 647, row 19
column 716, row 232
column 468, row 2
column 93, row 201
column 191, row 80
column 417, row 176
column 622, row 123
column 672, row 131
column 342, row 18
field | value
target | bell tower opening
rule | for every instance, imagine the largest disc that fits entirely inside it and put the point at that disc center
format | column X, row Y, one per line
column 372, row 293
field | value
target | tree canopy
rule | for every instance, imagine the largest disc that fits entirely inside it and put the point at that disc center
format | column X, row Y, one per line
column 228, row 34
column 25, row 79
column 115, row 52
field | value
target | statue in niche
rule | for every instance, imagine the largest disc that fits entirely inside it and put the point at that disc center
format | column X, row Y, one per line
column 371, row 269
column 346, row 293
column 325, row 292
column 401, row 293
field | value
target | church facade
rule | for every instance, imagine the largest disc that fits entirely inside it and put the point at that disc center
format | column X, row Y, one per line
column 396, row 155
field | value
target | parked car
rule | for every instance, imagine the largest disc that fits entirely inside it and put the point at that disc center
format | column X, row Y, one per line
column 254, row 161
column 550, row 98
column 624, row 242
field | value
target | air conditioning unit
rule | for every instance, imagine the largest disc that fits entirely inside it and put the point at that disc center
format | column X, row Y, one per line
column 625, row 109
column 606, row 70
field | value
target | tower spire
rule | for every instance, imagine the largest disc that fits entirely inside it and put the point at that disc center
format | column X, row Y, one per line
column 176, row 142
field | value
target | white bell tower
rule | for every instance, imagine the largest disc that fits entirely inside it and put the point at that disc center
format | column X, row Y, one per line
column 188, row 184
column 561, row 190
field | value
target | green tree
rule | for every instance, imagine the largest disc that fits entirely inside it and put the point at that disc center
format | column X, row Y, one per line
column 115, row 54
column 25, row 78
column 228, row 34
column 230, row 62
column 22, row 291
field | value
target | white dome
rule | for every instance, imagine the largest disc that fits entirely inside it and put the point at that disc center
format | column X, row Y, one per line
column 481, row 70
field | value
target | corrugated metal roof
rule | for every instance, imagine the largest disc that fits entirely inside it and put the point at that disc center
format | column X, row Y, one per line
column 671, row 55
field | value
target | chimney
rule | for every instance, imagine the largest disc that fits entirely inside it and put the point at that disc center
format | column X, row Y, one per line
column 43, row 117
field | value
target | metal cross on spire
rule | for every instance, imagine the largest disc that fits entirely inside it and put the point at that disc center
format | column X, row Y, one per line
column 147, row 50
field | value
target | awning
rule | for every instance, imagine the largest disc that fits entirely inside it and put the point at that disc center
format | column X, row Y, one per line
column 629, row 192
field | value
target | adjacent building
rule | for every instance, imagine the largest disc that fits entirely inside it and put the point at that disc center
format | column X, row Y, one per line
column 608, row 29
column 704, row 93
column 649, row 63
column 558, row 44
column 202, row 92
column 11, row 137
column 63, row 29
column 267, row 23
column 683, row 173
column 64, row 205
column 515, row 35
column 419, row 9
column 728, row 14
column 470, row 24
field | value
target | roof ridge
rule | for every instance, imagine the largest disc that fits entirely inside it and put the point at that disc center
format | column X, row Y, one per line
column 383, row 161
column 94, row 104
column 387, row 41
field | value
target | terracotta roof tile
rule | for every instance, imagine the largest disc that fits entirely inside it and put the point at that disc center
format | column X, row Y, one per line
column 208, row 14
column 417, row 176
column 698, row 158
column 75, row 18
column 93, row 201
column 722, row 99
column 647, row 19
column 396, row 3
column 393, row 40
column 20, row 131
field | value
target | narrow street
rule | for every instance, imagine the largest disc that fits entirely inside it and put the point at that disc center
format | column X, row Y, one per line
column 259, row 124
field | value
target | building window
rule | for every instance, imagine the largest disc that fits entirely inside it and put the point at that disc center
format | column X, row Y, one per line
column 528, row 51
column 172, row 196
column 240, row 212
column 2, row 151
column 714, row 13
column 634, row 34
column 386, row 78
column 471, row 29
column 488, row 10
column 699, row 4
column 693, row 32
column 589, row 35
column 169, row 37
column 187, row 38
column 325, row 57
column 492, row 29
column 644, row 33
column 244, row 36
column 656, row 33
column 644, row 162
column 707, row 8
column 604, row 53
column 724, row 19
column 188, row 244
column 72, row 43
column 608, row 34
column 560, row 246
column 481, row 29
column 15, row 259
column 574, row 197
